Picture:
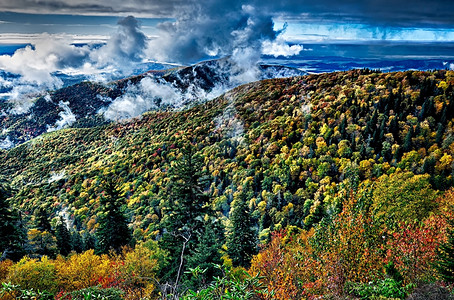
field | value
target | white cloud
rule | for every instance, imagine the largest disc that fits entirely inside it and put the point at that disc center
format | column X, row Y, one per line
column 280, row 47
column 143, row 97
column 48, row 54
column 6, row 143
column 67, row 118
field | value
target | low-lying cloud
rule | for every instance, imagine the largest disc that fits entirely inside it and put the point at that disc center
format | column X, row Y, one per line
column 199, row 31
column 38, row 64
column 67, row 118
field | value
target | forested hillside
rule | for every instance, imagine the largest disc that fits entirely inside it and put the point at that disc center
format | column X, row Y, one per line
column 334, row 184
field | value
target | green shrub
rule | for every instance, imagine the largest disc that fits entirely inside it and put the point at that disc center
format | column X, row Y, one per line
column 388, row 288
column 95, row 292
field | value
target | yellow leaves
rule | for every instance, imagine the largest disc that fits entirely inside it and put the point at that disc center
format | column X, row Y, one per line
column 262, row 206
column 91, row 223
column 82, row 270
column 86, row 183
column 403, row 197
column 365, row 167
column 4, row 269
column 294, row 170
column 82, row 211
column 39, row 240
column 445, row 163
column 277, row 188
column 320, row 142
column 443, row 85
column 34, row 274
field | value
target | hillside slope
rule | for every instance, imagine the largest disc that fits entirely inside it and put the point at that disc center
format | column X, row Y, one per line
column 289, row 143
column 84, row 104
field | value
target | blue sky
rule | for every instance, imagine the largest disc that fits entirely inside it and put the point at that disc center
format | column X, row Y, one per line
column 23, row 27
column 18, row 28
column 188, row 31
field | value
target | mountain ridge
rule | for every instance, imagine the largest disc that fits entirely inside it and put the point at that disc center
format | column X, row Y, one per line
column 83, row 104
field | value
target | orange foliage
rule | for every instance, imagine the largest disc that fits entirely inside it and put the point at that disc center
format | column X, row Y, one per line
column 288, row 266
column 80, row 271
column 354, row 240
column 133, row 271
column 352, row 247
column 412, row 247
column 4, row 268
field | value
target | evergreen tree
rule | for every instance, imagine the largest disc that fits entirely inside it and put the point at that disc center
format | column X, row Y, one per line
column 382, row 130
column 183, row 223
column 241, row 242
column 444, row 115
column 63, row 238
column 407, row 141
column 372, row 124
column 42, row 222
column 113, row 231
column 78, row 244
column 87, row 241
column 394, row 128
column 11, row 236
column 439, row 135
column 207, row 253
column 343, row 127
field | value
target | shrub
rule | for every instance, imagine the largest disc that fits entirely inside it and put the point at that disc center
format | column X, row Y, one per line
column 83, row 270
column 92, row 293
column 387, row 287
column 34, row 274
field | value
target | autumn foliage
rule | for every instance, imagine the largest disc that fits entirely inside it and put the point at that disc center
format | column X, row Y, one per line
column 344, row 177
column 354, row 247
column 133, row 271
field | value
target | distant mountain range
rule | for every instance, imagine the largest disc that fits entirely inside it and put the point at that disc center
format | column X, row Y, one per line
column 82, row 104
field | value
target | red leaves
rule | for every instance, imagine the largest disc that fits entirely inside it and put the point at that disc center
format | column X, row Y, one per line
column 412, row 248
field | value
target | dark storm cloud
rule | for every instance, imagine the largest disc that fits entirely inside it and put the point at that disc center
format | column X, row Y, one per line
column 101, row 7
column 404, row 13
column 212, row 30
column 416, row 13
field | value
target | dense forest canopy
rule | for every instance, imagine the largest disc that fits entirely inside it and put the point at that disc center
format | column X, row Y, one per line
column 337, row 176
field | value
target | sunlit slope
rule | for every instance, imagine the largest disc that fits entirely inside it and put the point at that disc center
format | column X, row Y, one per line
column 287, row 142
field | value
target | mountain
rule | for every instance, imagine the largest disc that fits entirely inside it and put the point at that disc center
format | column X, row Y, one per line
column 349, row 167
column 289, row 133
column 83, row 104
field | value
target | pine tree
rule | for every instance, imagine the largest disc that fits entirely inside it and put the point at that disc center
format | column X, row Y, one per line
column 445, row 253
column 407, row 141
column 42, row 222
column 439, row 135
column 372, row 124
column 78, row 244
column 184, row 219
column 11, row 236
column 394, row 128
column 63, row 238
column 113, row 231
column 242, row 240
column 207, row 252
column 343, row 127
